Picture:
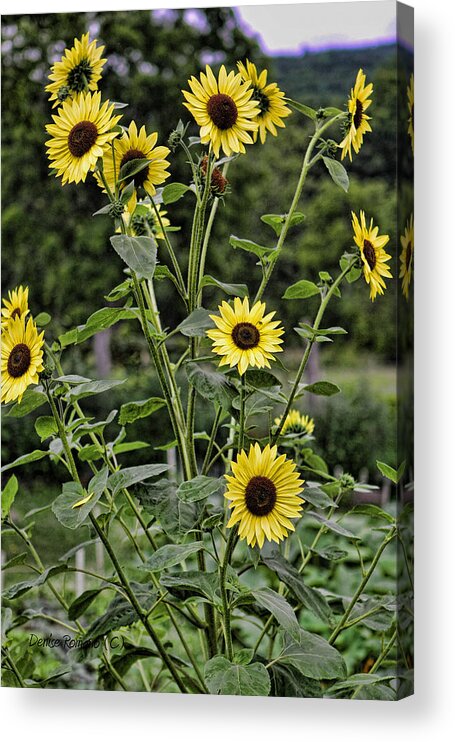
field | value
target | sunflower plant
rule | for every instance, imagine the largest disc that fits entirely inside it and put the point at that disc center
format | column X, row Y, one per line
column 227, row 583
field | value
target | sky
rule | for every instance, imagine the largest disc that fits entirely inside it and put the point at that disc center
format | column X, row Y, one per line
column 295, row 28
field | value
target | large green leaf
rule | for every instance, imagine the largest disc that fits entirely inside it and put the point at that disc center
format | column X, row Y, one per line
column 279, row 608
column 139, row 253
column 229, row 679
column 176, row 517
column 82, row 602
column 200, row 488
column 388, row 471
column 337, row 172
column 31, row 400
column 308, row 596
column 127, row 477
column 89, row 388
column 9, row 492
column 359, row 680
column 120, row 612
column 288, row 682
column 132, row 411
column 27, row 458
column 250, row 246
column 212, row 385
column 170, row 555
column 46, row 427
column 196, row 324
column 193, row 584
column 301, row 290
column 333, row 526
column 276, row 221
column 65, row 507
column 233, row 289
column 313, row 656
column 322, row 388
column 16, row 591
column 173, row 192
column 302, row 108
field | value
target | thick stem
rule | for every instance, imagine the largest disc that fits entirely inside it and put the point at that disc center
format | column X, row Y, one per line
column 230, row 545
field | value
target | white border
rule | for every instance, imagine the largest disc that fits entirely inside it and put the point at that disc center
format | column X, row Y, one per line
column 55, row 715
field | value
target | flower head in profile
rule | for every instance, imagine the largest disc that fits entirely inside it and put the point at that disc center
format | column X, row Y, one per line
column 224, row 109
column 410, row 94
column 245, row 337
column 372, row 253
column 358, row 103
column 81, row 132
column 264, row 491
column 22, row 358
column 78, row 71
column 16, row 305
column 137, row 145
column 268, row 97
column 296, row 423
column 407, row 256
column 142, row 220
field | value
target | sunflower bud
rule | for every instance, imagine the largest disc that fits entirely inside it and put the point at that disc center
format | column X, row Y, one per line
column 218, row 183
column 63, row 93
column 347, row 481
column 116, row 209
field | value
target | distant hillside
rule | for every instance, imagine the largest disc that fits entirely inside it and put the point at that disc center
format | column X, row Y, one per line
column 322, row 78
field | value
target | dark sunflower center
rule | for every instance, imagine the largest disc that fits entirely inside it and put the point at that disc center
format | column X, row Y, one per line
column 370, row 253
column 358, row 113
column 79, row 77
column 140, row 177
column 82, row 137
column 15, row 313
column 245, row 335
column 260, row 495
column 19, row 360
column 408, row 255
column 262, row 100
column 222, row 110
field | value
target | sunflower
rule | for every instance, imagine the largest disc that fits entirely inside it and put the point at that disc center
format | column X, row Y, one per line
column 224, row 109
column 269, row 98
column 245, row 337
column 358, row 103
column 264, row 491
column 410, row 92
column 16, row 305
column 80, row 133
column 134, row 145
column 78, row 71
column 296, row 424
column 22, row 358
column 407, row 256
column 373, row 255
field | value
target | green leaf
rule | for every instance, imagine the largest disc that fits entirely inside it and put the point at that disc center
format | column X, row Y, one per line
column 359, row 680
column 132, row 167
column 332, row 525
column 45, row 427
column 279, row 608
column 120, row 612
column 42, row 319
column 20, row 588
column 276, row 221
column 120, row 291
column 388, row 471
column 317, row 497
column 63, row 506
column 212, row 385
column 170, row 555
column 288, row 682
column 9, row 492
column 309, row 597
column 196, row 324
column 301, row 290
column 82, row 602
column 301, row 108
column 95, row 427
column 139, row 253
column 132, row 411
column 129, row 446
column 377, row 692
column 233, row 289
column 337, row 172
column 331, row 553
column 200, row 488
column 102, row 319
column 173, row 192
column 27, row 458
column 177, row 518
column 89, row 388
column 313, row 656
column 29, row 402
column 250, row 246
column 226, row 678
column 372, row 510
column 354, row 273
column 192, row 584
column 322, row 388
column 15, row 560
column 126, row 477
column 260, row 379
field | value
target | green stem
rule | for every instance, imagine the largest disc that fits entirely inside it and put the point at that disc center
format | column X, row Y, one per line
column 208, row 231
column 306, row 167
column 306, row 355
column 172, row 255
column 208, row 453
column 13, row 667
column 380, row 659
column 230, row 545
column 242, row 413
column 342, row 623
